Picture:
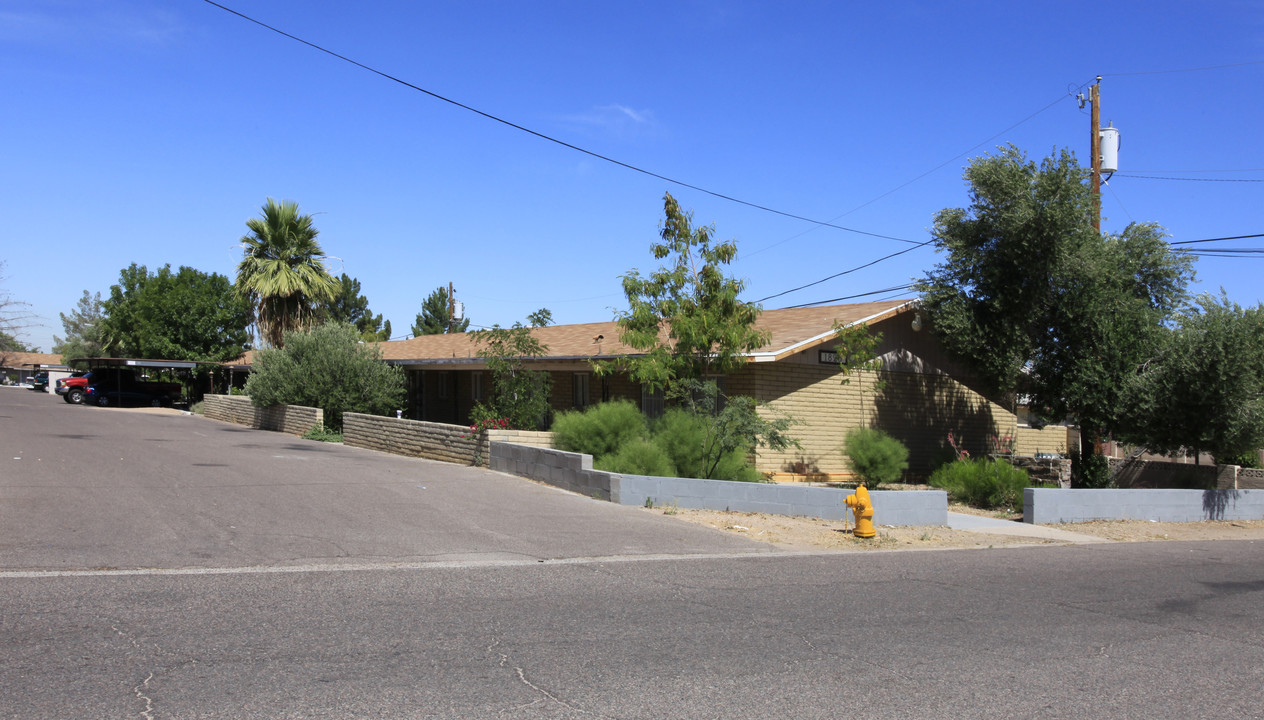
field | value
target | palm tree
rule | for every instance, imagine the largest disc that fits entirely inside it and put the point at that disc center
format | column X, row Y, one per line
column 283, row 272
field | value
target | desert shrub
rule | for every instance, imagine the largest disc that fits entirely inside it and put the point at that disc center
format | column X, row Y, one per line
column 875, row 456
column 983, row 483
column 1090, row 470
column 688, row 439
column 638, row 456
column 600, row 430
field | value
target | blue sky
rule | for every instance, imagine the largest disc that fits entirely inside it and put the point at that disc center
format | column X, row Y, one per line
column 149, row 131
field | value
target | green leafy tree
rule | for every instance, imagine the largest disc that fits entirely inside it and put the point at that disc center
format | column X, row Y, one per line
column 1037, row 302
column 686, row 318
column 327, row 367
column 8, row 343
column 435, row 317
column 349, row 306
column 518, row 394
column 83, row 328
column 1204, row 389
column 282, row 271
column 689, row 325
column 182, row 315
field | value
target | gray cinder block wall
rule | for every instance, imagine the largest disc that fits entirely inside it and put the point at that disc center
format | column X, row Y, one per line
column 290, row 419
column 574, row 472
column 1045, row 506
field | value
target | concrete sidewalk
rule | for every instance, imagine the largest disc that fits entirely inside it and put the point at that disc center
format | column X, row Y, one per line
column 996, row 526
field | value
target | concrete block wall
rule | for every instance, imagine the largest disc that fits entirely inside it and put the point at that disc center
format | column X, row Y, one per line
column 1046, row 506
column 1250, row 479
column 890, row 507
column 414, row 438
column 573, row 471
column 567, row 470
column 1127, row 473
column 237, row 409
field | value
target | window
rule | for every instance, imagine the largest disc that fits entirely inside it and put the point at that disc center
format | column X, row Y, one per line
column 476, row 387
column 445, row 385
column 579, row 390
column 652, row 402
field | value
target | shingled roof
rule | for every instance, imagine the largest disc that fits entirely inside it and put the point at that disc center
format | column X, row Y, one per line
column 791, row 330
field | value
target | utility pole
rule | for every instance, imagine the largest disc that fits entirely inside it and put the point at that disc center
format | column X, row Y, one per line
column 451, row 306
column 1095, row 143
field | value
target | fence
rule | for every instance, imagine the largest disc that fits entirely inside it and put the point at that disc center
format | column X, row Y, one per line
column 290, row 419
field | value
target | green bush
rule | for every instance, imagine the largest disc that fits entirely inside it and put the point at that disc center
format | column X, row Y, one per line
column 638, row 456
column 600, row 430
column 875, row 456
column 983, row 483
column 327, row 367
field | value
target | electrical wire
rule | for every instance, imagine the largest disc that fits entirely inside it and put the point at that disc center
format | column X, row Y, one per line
column 896, row 288
column 845, row 272
column 548, row 138
column 1232, row 237
column 1153, row 177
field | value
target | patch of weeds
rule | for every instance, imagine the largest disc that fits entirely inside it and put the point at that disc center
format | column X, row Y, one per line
column 671, row 509
column 649, row 503
column 320, row 433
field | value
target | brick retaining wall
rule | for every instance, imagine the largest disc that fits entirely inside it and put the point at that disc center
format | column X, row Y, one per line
column 414, row 438
column 237, row 409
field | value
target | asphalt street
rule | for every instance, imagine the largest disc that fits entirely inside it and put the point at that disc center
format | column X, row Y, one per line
column 166, row 566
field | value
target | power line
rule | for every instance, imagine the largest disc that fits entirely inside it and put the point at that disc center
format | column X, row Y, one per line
column 548, row 138
column 845, row 272
column 1234, row 237
column 1153, row 177
column 897, row 288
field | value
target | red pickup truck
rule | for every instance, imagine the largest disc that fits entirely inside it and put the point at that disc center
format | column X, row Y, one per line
column 117, row 386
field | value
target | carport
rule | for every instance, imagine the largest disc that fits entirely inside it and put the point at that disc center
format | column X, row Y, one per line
column 182, row 369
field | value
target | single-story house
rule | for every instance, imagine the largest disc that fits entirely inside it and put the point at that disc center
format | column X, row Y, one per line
column 918, row 396
column 21, row 367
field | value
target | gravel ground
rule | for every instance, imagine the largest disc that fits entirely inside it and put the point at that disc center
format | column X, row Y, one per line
column 814, row 534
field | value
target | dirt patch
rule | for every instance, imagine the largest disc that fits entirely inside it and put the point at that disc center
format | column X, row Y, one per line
column 814, row 534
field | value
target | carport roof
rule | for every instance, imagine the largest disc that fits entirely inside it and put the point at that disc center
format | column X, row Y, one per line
column 139, row 362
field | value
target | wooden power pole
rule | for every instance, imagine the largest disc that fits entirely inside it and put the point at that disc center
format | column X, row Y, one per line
column 1095, row 146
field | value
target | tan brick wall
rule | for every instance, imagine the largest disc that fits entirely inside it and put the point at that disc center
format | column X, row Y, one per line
column 917, row 409
column 534, row 438
column 1050, row 439
column 290, row 419
column 414, row 438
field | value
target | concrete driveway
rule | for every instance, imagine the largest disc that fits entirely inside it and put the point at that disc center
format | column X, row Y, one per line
column 96, row 488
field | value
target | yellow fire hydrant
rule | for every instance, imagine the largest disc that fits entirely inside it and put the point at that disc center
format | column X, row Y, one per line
column 863, row 510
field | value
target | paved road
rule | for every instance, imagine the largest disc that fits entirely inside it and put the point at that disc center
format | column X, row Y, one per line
column 454, row 615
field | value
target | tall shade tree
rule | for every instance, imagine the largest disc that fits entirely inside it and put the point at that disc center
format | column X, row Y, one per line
column 181, row 315
column 435, row 317
column 283, row 271
column 83, row 327
column 1041, row 305
column 1204, row 389
column 349, row 306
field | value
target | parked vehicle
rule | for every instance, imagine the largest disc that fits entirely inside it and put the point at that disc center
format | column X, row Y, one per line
column 39, row 383
column 73, row 389
column 117, row 386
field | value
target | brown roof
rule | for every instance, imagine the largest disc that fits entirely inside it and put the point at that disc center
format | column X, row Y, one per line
column 792, row 330
column 28, row 359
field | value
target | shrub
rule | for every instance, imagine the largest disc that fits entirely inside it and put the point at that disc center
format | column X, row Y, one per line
column 638, row 456
column 875, row 456
column 600, row 430
column 983, row 483
column 327, row 367
column 683, row 436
